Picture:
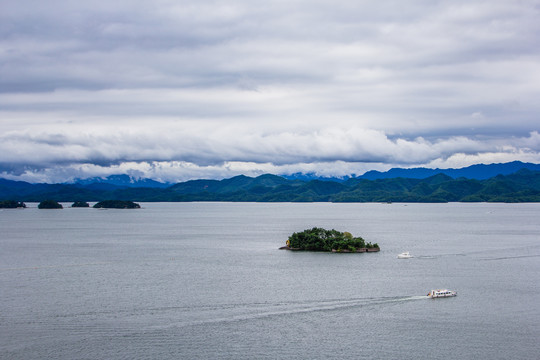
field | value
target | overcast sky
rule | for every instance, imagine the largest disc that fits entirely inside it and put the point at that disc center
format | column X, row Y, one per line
column 183, row 89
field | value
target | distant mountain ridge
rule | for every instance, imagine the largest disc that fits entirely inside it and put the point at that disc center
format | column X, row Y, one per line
column 121, row 181
column 236, row 183
column 520, row 186
column 479, row 172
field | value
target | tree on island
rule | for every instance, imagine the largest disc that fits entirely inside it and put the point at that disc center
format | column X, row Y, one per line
column 49, row 204
column 11, row 204
column 117, row 204
column 82, row 204
column 319, row 239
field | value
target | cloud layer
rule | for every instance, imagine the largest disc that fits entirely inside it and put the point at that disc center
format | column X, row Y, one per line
column 176, row 90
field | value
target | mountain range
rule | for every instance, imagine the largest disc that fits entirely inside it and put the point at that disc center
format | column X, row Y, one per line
column 512, row 182
column 479, row 171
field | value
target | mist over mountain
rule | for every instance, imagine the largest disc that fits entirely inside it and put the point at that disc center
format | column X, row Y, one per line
column 122, row 181
column 520, row 186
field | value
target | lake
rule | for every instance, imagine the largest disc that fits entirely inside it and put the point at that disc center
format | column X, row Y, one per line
column 207, row 281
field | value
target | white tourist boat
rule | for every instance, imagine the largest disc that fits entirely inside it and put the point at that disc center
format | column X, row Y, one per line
column 404, row 255
column 441, row 293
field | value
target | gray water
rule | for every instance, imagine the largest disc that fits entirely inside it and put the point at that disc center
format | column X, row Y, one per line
column 207, row 281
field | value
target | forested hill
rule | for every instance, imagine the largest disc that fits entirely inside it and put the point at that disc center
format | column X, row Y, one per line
column 522, row 186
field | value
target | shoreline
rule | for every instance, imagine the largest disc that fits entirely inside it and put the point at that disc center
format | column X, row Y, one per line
column 360, row 250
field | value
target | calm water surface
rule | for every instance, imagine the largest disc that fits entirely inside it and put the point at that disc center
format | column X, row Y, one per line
column 206, row 281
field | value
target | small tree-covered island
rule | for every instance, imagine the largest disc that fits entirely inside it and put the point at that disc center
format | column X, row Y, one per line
column 116, row 204
column 50, row 204
column 319, row 239
column 11, row 204
column 80, row 204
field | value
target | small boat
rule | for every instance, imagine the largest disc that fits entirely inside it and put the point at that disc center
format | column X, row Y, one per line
column 441, row 293
column 404, row 255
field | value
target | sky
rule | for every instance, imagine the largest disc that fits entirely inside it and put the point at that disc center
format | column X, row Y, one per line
column 175, row 90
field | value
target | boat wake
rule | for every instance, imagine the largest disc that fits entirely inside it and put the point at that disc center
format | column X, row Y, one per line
column 59, row 266
column 438, row 256
column 510, row 257
column 228, row 313
column 189, row 316
column 478, row 256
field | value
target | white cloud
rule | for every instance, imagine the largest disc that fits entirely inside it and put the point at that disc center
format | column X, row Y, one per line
column 173, row 153
column 326, row 87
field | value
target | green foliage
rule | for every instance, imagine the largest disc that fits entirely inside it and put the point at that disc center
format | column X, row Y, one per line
column 319, row 239
column 117, row 204
column 82, row 204
column 11, row 204
column 49, row 204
